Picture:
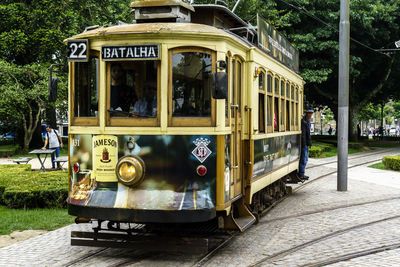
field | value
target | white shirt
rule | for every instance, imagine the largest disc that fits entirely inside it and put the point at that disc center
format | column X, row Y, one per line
column 53, row 139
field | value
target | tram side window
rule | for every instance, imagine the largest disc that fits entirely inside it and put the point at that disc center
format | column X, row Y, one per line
column 269, row 103
column 292, row 106
column 133, row 89
column 191, row 88
column 277, row 111
column 287, row 107
column 86, row 88
column 282, row 111
column 297, row 107
column 261, row 102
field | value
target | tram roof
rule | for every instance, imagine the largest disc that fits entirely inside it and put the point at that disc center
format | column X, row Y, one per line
column 147, row 28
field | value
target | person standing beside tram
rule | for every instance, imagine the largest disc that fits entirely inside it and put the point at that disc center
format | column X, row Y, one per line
column 305, row 143
column 55, row 142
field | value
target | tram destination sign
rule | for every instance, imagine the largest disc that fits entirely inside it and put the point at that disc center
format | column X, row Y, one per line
column 130, row 52
column 277, row 46
column 78, row 50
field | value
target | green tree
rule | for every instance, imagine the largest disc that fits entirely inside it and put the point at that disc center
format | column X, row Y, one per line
column 329, row 116
column 373, row 76
column 22, row 96
column 31, row 39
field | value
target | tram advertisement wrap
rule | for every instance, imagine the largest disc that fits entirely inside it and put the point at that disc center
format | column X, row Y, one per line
column 171, row 180
column 272, row 153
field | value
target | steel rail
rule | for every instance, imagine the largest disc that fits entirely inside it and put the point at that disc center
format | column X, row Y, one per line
column 85, row 257
column 319, row 239
column 212, row 253
column 329, row 209
column 353, row 255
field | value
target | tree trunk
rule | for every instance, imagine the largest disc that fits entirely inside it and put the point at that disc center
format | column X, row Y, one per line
column 353, row 121
column 30, row 125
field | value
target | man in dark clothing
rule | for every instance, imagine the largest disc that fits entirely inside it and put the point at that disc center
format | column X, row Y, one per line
column 305, row 143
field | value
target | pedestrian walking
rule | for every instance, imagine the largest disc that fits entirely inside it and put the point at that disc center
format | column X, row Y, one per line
column 55, row 142
column 305, row 143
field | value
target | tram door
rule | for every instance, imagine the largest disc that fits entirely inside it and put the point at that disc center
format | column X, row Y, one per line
column 236, row 126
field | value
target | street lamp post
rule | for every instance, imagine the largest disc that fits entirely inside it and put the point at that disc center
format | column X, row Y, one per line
column 343, row 111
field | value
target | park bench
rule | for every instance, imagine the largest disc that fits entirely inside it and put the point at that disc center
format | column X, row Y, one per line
column 22, row 160
column 61, row 160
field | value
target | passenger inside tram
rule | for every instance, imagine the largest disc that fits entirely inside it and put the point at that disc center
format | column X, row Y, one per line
column 133, row 89
column 146, row 106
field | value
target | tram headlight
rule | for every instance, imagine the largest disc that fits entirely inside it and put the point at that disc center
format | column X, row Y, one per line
column 130, row 170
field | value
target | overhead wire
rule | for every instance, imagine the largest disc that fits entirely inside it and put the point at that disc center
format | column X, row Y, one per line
column 306, row 12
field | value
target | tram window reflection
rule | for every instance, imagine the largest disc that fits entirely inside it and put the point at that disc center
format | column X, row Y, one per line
column 86, row 88
column 191, row 88
column 133, row 89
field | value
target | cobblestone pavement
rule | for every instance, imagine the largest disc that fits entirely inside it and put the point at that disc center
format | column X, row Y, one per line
column 316, row 210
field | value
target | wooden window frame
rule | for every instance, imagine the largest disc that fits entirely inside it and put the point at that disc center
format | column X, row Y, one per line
column 131, row 121
column 270, row 106
column 287, row 106
column 282, row 105
column 229, row 99
column 239, row 85
column 297, row 111
column 190, row 121
column 262, row 91
column 85, row 121
column 277, row 96
column 292, row 106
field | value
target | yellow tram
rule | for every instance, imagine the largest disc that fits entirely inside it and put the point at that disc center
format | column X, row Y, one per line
column 187, row 115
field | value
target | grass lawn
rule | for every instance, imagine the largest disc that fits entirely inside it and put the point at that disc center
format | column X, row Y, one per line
column 382, row 144
column 329, row 150
column 35, row 219
column 379, row 165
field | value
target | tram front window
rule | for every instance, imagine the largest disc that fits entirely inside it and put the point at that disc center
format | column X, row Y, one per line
column 191, row 90
column 133, row 89
column 86, row 88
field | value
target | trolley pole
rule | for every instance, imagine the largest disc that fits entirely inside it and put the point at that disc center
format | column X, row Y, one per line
column 343, row 95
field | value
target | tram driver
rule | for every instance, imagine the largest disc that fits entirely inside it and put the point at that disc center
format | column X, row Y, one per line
column 121, row 94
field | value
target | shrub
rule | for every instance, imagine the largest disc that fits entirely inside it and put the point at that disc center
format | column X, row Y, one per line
column 8, row 150
column 22, row 188
column 315, row 151
column 355, row 145
column 392, row 162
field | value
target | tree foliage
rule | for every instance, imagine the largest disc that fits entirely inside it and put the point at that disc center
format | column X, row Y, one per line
column 31, row 39
column 22, row 96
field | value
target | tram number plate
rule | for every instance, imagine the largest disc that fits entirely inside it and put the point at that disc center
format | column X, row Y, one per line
column 78, row 50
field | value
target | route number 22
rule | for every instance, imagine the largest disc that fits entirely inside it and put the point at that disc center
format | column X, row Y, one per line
column 77, row 50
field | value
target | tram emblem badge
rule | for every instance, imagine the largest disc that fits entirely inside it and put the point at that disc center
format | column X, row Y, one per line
column 201, row 152
column 105, row 156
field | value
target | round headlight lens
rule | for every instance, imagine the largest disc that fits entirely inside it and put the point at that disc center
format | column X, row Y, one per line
column 130, row 170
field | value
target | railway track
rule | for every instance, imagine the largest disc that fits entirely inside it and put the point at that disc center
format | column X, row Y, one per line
column 353, row 255
column 329, row 209
column 229, row 239
column 317, row 240
column 212, row 253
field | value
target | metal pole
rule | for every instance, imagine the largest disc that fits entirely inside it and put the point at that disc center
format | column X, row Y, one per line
column 234, row 8
column 343, row 114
